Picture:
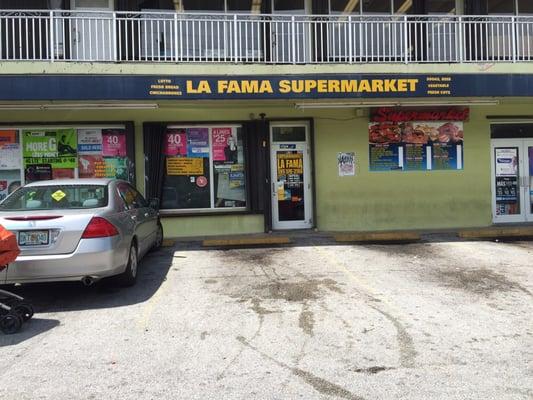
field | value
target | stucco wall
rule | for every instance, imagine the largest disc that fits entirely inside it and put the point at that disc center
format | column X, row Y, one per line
column 367, row 201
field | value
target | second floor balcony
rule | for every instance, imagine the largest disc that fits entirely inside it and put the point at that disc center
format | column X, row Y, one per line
column 171, row 37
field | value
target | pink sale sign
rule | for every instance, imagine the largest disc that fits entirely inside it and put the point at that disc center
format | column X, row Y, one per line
column 176, row 142
column 113, row 143
column 220, row 141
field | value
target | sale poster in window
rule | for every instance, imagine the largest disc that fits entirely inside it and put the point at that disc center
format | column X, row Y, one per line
column 9, row 150
column 113, row 143
column 224, row 142
column 88, row 164
column 57, row 148
column 89, row 141
column 176, row 142
column 198, row 142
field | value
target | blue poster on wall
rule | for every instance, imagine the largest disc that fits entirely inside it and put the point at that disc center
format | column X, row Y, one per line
column 415, row 156
column 385, row 156
column 416, row 145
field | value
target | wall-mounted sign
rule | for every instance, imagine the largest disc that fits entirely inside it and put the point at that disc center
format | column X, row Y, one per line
column 346, row 164
column 385, row 114
column 416, row 146
column 185, row 166
column 26, row 87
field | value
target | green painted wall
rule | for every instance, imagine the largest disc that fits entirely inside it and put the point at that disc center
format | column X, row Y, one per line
column 368, row 201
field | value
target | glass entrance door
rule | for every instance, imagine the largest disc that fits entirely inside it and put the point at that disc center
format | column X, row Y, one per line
column 290, row 176
column 512, row 180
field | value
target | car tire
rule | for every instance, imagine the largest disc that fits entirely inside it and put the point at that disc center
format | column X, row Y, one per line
column 158, row 237
column 129, row 276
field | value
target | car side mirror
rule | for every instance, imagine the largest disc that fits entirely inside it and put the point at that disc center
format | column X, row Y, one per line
column 154, row 203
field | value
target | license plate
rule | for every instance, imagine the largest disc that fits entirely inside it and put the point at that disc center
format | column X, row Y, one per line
column 33, row 238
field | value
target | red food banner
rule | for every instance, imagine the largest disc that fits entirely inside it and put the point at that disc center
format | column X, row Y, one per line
column 176, row 142
column 385, row 114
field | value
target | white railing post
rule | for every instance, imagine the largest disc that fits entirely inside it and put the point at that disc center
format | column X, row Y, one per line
column 459, row 45
column 513, row 36
column 293, row 40
column 52, row 41
column 350, row 39
column 235, row 39
column 405, row 40
column 114, row 36
column 176, row 46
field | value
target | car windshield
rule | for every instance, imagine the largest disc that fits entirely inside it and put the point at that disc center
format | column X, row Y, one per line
column 53, row 197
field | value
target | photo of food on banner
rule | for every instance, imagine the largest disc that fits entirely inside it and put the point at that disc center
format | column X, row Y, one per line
column 102, row 153
column 49, row 154
column 228, row 162
column 10, row 162
column 416, row 145
column 187, row 179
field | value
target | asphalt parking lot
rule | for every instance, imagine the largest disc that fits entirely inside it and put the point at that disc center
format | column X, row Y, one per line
column 436, row 320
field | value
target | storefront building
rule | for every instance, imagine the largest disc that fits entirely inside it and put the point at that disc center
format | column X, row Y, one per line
column 252, row 116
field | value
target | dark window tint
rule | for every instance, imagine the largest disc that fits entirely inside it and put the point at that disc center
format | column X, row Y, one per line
column 376, row 6
column 288, row 134
column 344, row 7
column 525, row 6
column 440, row 6
column 500, row 6
column 156, row 4
column 244, row 6
column 403, row 7
column 289, row 5
column 203, row 5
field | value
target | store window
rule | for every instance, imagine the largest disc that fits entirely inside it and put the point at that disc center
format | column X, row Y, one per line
column 500, row 6
column 376, row 6
column 440, row 6
column 403, row 7
column 29, row 154
column 204, row 168
column 525, row 7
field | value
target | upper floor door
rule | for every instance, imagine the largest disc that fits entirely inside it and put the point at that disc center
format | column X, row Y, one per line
column 91, row 30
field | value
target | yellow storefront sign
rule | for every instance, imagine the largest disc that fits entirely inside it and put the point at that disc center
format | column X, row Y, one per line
column 185, row 166
column 290, row 164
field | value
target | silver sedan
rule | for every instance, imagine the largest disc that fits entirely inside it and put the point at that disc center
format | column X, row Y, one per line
column 79, row 230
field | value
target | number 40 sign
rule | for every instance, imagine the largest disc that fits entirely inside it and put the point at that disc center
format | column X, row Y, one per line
column 113, row 143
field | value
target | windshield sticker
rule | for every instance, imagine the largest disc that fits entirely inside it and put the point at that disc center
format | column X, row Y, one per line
column 58, row 195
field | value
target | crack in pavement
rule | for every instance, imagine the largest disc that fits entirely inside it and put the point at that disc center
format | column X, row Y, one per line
column 321, row 385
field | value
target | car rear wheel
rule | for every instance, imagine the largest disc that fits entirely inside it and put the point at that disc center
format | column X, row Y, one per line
column 129, row 276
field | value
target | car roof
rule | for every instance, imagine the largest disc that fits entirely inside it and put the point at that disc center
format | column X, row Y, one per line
column 84, row 181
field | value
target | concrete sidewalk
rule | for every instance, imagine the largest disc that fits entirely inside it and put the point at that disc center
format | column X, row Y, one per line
column 431, row 320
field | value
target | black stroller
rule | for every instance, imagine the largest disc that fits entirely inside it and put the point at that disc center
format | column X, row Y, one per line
column 14, row 310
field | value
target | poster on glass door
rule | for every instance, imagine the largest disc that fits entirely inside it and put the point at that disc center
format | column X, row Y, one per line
column 507, row 188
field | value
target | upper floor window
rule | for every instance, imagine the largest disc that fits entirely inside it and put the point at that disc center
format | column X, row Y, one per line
column 500, row 6
column 440, row 6
column 218, row 6
column 509, row 7
column 391, row 7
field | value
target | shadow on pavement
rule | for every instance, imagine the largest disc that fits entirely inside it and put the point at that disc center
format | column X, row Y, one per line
column 64, row 297
column 34, row 327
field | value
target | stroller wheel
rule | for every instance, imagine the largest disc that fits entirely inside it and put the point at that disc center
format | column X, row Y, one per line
column 10, row 323
column 24, row 310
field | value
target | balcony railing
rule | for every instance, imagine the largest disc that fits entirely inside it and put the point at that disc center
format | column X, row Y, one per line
column 264, row 39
